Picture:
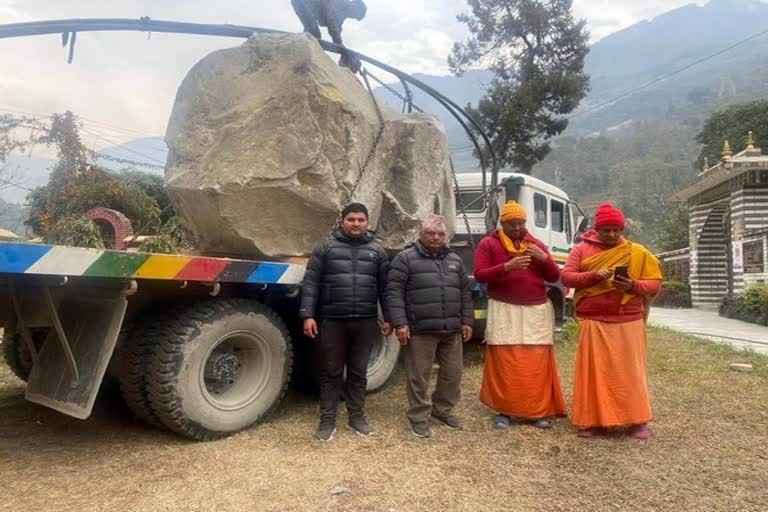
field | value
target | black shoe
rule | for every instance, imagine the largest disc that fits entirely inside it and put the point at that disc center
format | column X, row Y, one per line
column 421, row 429
column 450, row 421
column 325, row 430
column 360, row 426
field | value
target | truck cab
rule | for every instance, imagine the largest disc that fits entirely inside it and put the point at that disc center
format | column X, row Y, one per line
column 552, row 218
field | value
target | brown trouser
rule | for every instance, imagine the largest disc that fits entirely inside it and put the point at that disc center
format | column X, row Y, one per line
column 420, row 354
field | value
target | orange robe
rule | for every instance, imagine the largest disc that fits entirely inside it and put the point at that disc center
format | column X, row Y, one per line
column 522, row 381
column 610, row 387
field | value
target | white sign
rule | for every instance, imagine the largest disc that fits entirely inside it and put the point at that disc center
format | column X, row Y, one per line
column 738, row 257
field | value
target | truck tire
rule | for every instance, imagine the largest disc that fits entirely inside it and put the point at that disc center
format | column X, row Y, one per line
column 135, row 354
column 383, row 362
column 218, row 367
column 16, row 353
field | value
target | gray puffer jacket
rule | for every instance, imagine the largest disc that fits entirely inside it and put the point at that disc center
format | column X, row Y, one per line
column 429, row 293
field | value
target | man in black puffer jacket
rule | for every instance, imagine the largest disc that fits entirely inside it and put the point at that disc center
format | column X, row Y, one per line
column 430, row 305
column 344, row 283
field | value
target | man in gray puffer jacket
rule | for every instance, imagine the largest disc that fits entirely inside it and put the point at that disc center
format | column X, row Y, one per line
column 430, row 305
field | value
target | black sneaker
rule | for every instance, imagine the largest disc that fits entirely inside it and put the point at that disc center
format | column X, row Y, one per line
column 360, row 426
column 449, row 421
column 325, row 430
column 421, row 429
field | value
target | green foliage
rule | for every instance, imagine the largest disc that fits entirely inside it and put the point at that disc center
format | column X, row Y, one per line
column 169, row 240
column 536, row 50
column 672, row 232
column 750, row 306
column 636, row 168
column 674, row 294
column 733, row 124
column 75, row 231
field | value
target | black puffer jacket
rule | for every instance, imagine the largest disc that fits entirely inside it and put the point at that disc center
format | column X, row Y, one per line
column 429, row 293
column 345, row 278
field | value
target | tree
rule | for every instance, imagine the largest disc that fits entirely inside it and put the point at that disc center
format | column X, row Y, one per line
column 536, row 49
column 672, row 231
column 733, row 124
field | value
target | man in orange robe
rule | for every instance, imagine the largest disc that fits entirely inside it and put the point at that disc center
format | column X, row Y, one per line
column 520, row 379
column 615, row 282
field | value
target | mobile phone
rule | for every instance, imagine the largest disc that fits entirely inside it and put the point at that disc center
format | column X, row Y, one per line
column 622, row 271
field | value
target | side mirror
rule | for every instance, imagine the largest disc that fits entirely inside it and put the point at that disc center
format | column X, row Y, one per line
column 582, row 225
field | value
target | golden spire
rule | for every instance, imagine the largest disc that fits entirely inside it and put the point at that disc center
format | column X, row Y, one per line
column 750, row 141
column 705, row 167
column 727, row 153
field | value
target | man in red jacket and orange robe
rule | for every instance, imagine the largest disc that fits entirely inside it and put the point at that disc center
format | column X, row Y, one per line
column 520, row 379
column 612, row 306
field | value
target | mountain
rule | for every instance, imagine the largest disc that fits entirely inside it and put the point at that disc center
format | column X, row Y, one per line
column 146, row 154
column 25, row 172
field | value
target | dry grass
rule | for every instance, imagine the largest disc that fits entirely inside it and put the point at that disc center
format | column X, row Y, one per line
column 710, row 452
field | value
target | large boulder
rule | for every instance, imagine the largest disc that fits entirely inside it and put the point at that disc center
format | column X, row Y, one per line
column 267, row 139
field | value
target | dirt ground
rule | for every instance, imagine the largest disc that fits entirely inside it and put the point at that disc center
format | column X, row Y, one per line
column 710, row 452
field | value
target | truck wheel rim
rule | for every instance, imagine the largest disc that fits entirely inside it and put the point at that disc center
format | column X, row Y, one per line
column 235, row 370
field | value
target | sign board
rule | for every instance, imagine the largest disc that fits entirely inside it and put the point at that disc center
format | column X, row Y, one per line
column 753, row 257
column 738, row 260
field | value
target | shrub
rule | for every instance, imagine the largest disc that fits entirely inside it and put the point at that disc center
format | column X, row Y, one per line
column 75, row 231
column 750, row 306
column 674, row 294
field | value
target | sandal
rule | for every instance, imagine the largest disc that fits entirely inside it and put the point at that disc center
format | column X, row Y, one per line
column 502, row 421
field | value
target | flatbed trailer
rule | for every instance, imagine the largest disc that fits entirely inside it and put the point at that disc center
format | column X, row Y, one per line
column 202, row 346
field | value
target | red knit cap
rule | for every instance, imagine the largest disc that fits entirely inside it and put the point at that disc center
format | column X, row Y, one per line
column 608, row 215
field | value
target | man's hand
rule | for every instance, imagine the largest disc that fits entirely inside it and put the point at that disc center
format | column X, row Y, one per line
column 386, row 328
column 403, row 334
column 603, row 274
column 623, row 283
column 519, row 263
column 535, row 252
column 310, row 328
column 466, row 333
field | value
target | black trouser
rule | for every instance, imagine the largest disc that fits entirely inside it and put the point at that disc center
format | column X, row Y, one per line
column 345, row 342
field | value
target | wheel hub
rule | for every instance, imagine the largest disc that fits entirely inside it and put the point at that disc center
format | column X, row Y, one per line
column 222, row 368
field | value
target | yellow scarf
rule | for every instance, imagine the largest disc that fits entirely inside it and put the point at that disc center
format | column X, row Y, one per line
column 514, row 249
column 642, row 265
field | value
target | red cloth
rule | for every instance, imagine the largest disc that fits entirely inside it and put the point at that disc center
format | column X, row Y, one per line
column 608, row 215
column 605, row 307
column 520, row 287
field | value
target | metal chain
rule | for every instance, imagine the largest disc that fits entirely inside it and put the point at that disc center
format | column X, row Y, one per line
column 395, row 92
column 377, row 139
column 459, row 202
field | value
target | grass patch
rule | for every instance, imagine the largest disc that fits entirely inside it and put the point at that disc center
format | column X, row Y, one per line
column 708, row 453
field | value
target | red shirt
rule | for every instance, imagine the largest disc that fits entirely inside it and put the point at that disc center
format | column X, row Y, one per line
column 606, row 307
column 521, row 287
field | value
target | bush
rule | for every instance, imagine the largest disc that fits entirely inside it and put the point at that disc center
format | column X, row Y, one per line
column 674, row 294
column 750, row 306
column 75, row 231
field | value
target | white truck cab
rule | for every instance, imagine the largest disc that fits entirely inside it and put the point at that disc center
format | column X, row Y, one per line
column 552, row 218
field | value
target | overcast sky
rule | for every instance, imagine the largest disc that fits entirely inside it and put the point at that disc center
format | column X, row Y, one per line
column 127, row 81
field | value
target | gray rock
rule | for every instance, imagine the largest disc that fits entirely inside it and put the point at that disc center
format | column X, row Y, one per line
column 267, row 138
column 338, row 490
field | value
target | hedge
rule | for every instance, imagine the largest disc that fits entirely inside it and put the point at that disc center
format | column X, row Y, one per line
column 673, row 294
column 750, row 306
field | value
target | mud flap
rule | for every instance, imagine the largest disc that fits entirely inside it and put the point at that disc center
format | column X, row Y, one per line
column 91, row 323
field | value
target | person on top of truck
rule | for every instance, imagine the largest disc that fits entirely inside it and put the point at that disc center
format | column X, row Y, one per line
column 430, row 303
column 344, row 283
column 331, row 14
column 520, row 378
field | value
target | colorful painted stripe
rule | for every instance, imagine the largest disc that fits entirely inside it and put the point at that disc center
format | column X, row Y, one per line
column 23, row 258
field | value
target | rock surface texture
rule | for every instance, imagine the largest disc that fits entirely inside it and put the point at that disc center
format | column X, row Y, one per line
column 266, row 140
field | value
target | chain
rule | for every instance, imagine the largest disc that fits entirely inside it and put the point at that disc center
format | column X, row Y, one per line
column 377, row 139
column 459, row 202
column 395, row 92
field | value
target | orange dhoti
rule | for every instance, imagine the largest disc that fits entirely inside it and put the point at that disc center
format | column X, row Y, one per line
column 610, row 388
column 522, row 381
